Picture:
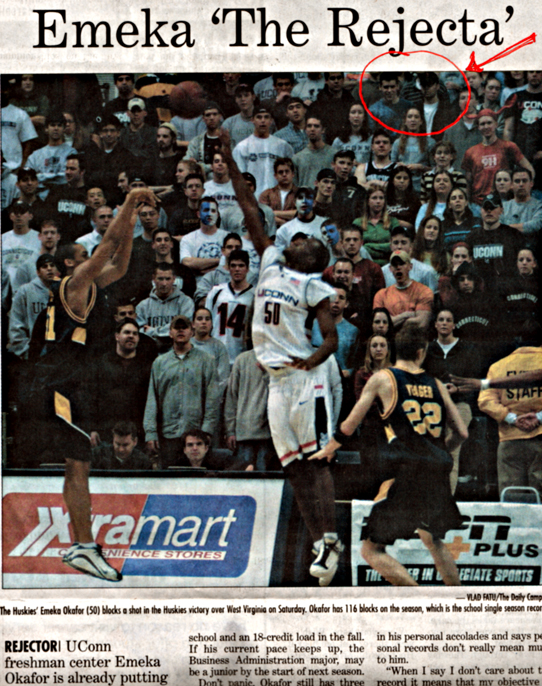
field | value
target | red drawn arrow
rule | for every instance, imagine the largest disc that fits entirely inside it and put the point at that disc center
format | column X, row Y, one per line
column 520, row 44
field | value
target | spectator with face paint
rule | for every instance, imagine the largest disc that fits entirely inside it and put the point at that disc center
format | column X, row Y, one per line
column 200, row 249
column 306, row 221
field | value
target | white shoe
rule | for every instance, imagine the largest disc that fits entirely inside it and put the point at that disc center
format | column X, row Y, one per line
column 327, row 561
column 91, row 561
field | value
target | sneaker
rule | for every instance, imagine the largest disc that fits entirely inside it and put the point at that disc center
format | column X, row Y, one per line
column 70, row 552
column 91, row 561
column 327, row 561
column 316, row 546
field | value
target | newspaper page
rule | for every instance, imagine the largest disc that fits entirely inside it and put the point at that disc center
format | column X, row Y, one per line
column 216, row 590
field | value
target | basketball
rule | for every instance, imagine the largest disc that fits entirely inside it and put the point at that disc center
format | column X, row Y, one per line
column 187, row 99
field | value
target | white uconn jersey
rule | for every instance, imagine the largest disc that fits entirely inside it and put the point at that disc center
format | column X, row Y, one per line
column 282, row 304
column 230, row 309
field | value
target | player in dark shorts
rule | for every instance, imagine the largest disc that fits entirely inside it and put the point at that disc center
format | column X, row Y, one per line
column 416, row 409
column 61, row 371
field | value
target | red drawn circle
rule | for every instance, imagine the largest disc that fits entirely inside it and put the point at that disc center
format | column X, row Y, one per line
column 407, row 54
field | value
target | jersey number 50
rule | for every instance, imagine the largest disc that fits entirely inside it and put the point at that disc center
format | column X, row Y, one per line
column 272, row 313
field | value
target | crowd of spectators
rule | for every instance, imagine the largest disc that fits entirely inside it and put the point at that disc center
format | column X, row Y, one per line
column 441, row 230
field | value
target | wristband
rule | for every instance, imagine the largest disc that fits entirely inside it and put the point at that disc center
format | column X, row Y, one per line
column 484, row 385
column 340, row 437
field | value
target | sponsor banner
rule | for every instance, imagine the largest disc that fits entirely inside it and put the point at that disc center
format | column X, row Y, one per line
column 498, row 544
column 157, row 532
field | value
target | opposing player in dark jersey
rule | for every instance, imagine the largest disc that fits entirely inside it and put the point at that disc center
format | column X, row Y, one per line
column 61, row 372
column 416, row 409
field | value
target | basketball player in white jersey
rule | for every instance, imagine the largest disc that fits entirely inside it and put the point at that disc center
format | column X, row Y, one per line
column 289, row 294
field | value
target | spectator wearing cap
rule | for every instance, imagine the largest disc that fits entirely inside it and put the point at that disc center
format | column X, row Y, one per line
column 240, row 125
column 316, row 155
column 107, row 161
column 202, row 147
column 281, row 198
column 50, row 161
column 183, row 394
column 21, row 242
column 403, row 239
column 406, row 300
column 26, row 188
column 257, row 153
column 437, row 110
column 523, row 212
column 482, row 161
column 119, row 106
column 494, row 245
column 294, row 132
column 29, row 300
column 138, row 137
column 306, row 220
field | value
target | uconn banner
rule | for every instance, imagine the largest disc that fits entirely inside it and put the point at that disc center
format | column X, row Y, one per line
column 498, row 544
column 158, row 532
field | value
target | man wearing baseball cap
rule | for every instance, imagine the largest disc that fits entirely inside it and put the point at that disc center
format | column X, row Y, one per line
column 494, row 245
column 406, row 299
column 402, row 239
column 183, row 394
column 21, row 242
column 138, row 137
